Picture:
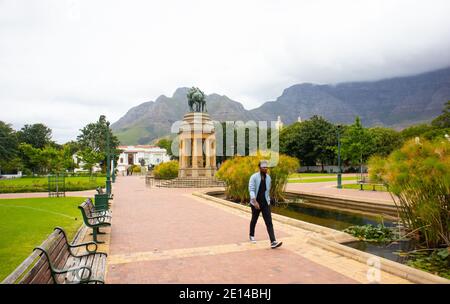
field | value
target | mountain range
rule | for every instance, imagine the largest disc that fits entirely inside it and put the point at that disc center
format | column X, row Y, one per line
column 394, row 102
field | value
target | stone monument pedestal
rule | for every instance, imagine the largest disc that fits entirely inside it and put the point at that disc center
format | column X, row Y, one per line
column 197, row 146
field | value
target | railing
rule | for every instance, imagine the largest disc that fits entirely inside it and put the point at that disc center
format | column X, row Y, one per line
column 152, row 181
column 188, row 182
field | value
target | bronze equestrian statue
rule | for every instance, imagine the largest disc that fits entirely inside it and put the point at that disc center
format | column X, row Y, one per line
column 196, row 100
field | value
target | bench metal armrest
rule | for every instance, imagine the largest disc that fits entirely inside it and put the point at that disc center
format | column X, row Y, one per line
column 101, row 212
column 87, row 246
column 99, row 216
column 77, row 274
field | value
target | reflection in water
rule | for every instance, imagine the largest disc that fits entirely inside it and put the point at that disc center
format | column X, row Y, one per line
column 387, row 251
column 334, row 219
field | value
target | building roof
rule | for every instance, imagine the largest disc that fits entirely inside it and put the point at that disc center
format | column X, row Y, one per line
column 140, row 148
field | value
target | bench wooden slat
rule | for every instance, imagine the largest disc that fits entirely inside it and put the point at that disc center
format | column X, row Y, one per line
column 36, row 269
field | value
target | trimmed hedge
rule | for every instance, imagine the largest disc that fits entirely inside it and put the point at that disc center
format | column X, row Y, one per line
column 26, row 185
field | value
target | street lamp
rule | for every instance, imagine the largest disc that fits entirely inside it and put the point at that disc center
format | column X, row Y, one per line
column 113, row 169
column 339, row 175
column 108, row 161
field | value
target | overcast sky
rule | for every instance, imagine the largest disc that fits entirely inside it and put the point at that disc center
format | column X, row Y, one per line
column 65, row 62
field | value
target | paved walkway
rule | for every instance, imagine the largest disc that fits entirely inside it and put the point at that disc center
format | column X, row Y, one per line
column 162, row 235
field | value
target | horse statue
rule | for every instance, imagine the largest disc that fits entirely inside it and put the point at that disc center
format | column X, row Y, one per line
column 196, row 100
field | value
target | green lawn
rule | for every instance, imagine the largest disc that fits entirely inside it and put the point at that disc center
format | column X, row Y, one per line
column 40, row 184
column 365, row 187
column 318, row 180
column 25, row 223
column 306, row 175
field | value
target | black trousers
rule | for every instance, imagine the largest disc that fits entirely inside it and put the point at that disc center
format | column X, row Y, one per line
column 267, row 216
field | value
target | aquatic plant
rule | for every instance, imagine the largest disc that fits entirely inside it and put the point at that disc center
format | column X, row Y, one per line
column 371, row 233
column 418, row 175
column 435, row 261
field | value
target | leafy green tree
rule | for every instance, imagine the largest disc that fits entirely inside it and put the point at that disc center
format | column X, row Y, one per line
column 12, row 166
column 357, row 144
column 90, row 158
column 443, row 120
column 38, row 135
column 313, row 140
column 32, row 158
column 384, row 140
column 415, row 131
column 93, row 137
column 8, row 146
column 165, row 144
column 51, row 160
column 46, row 160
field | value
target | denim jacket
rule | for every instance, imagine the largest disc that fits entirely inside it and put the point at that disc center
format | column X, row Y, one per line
column 253, row 186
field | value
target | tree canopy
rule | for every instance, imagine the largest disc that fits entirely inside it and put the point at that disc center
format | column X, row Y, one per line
column 311, row 141
column 37, row 135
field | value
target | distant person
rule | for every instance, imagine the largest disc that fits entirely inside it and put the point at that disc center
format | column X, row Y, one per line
column 259, row 188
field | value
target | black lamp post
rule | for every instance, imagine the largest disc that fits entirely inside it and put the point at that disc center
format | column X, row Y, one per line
column 108, row 161
column 339, row 175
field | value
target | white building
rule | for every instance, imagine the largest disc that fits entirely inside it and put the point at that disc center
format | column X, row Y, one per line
column 132, row 155
column 80, row 164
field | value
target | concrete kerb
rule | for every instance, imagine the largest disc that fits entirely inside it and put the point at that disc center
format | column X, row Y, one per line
column 387, row 203
column 332, row 240
column 403, row 271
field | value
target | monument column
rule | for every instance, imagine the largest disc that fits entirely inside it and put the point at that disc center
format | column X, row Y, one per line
column 207, row 153
column 194, row 155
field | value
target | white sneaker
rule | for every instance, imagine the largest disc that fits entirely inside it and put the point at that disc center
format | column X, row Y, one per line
column 252, row 239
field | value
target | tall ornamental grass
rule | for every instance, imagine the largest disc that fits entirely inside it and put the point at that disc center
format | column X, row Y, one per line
column 418, row 176
column 236, row 173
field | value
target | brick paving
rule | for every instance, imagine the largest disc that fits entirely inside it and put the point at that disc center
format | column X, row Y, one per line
column 162, row 235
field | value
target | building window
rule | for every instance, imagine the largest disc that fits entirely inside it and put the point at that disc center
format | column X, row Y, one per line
column 121, row 160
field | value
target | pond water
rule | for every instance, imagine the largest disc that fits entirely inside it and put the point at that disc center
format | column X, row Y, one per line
column 335, row 219
column 387, row 251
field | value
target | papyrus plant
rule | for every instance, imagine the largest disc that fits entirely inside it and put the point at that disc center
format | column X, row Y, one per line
column 418, row 176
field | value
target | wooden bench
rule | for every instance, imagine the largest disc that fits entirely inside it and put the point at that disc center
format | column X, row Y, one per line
column 56, row 261
column 95, row 211
column 100, row 191
column 93, row 220
column 364, row 182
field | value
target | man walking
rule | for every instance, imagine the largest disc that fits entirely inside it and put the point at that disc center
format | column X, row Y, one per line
column 259, row 188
